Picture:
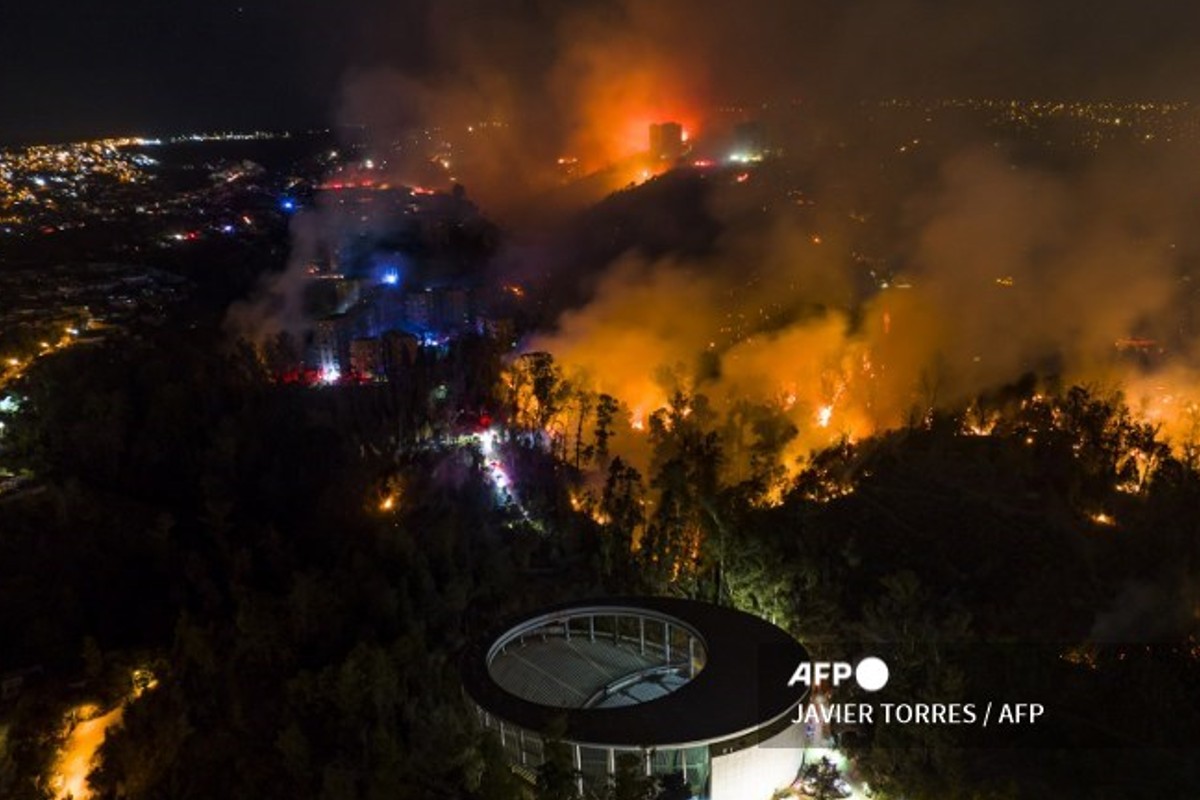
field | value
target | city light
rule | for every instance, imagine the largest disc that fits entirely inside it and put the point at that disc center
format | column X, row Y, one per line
column 744, row 158
column 698, row 321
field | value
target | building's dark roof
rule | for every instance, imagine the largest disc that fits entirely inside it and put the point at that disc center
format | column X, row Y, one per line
column 742, row 687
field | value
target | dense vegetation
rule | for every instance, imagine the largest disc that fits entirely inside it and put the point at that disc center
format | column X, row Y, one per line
column 301, row 567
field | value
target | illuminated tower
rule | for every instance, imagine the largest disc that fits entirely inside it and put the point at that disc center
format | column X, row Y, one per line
column 666, row 141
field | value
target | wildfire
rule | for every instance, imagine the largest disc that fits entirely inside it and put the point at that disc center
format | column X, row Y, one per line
column 683, row 563
column 586, row 504
column 389, row 495
column 829, row 490
column 824, row 415
column 977, row 423
column 1081, row 655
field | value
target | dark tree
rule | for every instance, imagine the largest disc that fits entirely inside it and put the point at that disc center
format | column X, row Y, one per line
column 822, row 780
column 629, row 780
column 556, row 777
column 673, row 786
column 606, row 411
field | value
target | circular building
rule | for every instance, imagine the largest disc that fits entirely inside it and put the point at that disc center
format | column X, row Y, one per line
column 682, row 685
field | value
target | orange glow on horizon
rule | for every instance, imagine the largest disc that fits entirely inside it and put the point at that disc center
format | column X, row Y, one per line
column 623, row 98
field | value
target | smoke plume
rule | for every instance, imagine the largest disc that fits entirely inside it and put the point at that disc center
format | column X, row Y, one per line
column 1001, row 269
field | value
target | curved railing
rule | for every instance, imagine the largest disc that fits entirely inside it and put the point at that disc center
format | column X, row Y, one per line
column 544, row 624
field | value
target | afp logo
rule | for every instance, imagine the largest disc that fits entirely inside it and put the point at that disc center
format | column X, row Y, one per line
column 871, row 674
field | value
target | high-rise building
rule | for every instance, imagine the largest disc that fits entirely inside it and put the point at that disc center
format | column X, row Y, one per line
column 455, row 309
column 399, row 352
column 326, row 343
column 666, row 141
column 366, row 357
column 419, row 311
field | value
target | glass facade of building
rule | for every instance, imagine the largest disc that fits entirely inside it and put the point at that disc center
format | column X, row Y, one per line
column 596, row 764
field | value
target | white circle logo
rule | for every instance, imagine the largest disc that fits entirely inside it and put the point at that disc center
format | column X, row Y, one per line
column 871, row 674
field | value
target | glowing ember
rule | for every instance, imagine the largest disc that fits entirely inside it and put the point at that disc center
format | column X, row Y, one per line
column 828, row 490
column 1080, row 656
column 977, row 423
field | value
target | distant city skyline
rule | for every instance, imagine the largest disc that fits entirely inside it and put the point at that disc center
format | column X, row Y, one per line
column 136, row 66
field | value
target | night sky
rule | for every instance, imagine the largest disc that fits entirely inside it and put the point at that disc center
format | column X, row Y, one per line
column 131, row 66
column 134, row 66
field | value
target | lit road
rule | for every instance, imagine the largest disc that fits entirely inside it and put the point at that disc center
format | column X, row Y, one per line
column 15, row 367
column 12, row 369
column 76, row 759
column 494, row 469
